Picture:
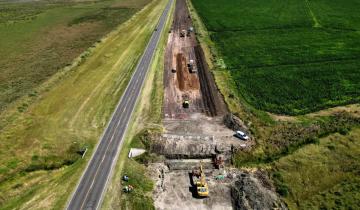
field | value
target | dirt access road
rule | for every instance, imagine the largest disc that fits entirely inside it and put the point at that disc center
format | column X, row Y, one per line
column 180, row 84
column 192, row 133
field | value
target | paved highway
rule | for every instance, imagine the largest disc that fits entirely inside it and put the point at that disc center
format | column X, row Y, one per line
column 90, row 190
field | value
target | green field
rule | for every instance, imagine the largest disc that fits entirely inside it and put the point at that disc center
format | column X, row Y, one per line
column 39, row 38
column 288, row 57
column 39, row 163
column 291, row 57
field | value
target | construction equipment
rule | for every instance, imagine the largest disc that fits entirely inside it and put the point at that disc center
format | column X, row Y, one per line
column 182, row 33
column 189, row 31
column 202, row 189
column 219, row 161
column 186, row 104
column 191, row 66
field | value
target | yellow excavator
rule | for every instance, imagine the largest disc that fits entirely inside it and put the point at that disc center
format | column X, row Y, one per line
column 202, row 189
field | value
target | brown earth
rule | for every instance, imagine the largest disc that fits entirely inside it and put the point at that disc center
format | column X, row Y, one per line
column 196, row 133
column 229, row 188
column 201, row 132
column 198, row 87
column 186, row 80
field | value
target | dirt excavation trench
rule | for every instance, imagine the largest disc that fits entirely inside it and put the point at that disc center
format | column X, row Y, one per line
column 199, row 130
column 187, row 76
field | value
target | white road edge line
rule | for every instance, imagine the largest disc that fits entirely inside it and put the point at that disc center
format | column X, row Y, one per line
column 98, row 143
column 137, row 98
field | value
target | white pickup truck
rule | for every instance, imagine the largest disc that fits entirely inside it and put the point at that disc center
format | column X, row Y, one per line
column 241, row 135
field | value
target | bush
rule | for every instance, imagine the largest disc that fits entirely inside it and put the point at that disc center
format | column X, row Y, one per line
column 344, row 131
column 283, row 190
column 331, row 147
column 281, row 187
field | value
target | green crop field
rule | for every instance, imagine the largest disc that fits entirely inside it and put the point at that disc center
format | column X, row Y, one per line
column 292, row 57
column 288, row 57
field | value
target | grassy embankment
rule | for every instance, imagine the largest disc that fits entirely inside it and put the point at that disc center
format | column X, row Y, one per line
column 39, row 38
column 39, row 165
column 293, row 142
column 323, row 175
column 146, row 120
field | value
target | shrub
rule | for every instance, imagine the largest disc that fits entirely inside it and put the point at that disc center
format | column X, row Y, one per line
column 344, row 131
column 281, row 187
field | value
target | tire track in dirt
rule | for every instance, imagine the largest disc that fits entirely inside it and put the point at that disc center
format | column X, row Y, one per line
column 187, row 75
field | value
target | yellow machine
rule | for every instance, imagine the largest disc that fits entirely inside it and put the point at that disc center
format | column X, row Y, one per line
column 186, row 104
column 201, row 185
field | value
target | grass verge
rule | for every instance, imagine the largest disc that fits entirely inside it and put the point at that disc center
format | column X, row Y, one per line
column 145, row 120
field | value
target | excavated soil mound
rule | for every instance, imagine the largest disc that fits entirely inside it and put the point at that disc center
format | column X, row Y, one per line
column 248, row 192
column 234, row 123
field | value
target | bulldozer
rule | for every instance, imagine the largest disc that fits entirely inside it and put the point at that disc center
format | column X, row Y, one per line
column 202, row 189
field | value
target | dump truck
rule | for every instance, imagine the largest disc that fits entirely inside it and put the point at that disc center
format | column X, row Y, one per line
column 199, row 180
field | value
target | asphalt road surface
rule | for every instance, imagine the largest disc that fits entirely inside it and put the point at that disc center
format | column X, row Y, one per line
column 90, row 190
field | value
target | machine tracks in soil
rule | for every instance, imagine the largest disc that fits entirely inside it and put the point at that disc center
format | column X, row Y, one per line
column 195, row 85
